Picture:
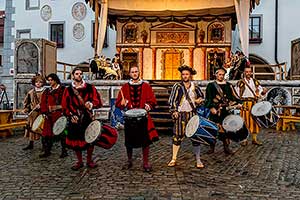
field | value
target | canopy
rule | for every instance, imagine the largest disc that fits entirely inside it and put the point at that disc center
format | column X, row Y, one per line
column 242, row 9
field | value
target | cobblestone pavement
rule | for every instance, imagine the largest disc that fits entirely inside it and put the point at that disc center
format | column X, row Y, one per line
column 271, row 171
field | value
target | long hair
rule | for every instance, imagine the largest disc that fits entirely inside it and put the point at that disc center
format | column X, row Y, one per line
column 54, row 77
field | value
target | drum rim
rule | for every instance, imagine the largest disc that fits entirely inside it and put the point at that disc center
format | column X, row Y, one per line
column 39, row 124
column 143, row 112
column 54, row 125
column 237, row 116
column 186, row 128
column 85, row 133
column 262, row 102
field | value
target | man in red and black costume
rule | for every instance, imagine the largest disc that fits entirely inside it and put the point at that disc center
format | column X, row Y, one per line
column 78, row 101
column 138, row 94
column 52, row 109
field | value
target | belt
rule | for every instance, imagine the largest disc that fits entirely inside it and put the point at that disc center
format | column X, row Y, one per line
column 55, row 108
column 249, row 99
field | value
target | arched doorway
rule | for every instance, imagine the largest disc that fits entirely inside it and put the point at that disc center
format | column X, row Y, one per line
column 256, row 60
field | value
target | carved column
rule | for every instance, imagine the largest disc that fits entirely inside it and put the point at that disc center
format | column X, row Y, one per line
column 191, row 57
column 141, row 53
column 227, row 54
column 203, row 62
column 153, row 63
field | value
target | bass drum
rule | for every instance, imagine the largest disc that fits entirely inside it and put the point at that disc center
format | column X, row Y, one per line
column 103, row 136
column 38, row 124
column 201, row 130
column 264, row 114
column 235, row 128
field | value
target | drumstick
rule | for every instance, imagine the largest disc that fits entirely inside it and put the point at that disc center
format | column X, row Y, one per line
column 122, row 94
column 32, row 110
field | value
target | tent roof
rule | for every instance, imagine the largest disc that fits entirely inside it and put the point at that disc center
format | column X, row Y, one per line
column 170, row 7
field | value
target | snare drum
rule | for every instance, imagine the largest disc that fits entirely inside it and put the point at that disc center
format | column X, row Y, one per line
column 201, row 130
column 38, row 124
column 264, row 114
column 103, row 136
column 59, row 125
column 136, row 128
column 235, row 128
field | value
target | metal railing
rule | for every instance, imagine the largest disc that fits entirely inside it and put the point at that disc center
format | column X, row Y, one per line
column 279, row 71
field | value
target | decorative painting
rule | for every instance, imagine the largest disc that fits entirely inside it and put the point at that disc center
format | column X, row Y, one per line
column 216, row 33
column 79, row 11
column 46, row 13
column 295, row 59
column 130, row 33
column 172, row 37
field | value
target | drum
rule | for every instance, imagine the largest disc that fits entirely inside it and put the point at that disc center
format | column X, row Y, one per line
column 136, row 128
column 201, row 130
column 59, row 125
column 38, row 124
column 235, row 128
column 264, row 114
column 103, row 136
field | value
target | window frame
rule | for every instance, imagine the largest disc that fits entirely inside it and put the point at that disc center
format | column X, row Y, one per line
column 28, row 7
column 50, row 32
column 251, row 39
column 20, row 31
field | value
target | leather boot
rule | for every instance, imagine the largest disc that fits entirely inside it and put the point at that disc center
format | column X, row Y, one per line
column 226, row 147
column 30, row 146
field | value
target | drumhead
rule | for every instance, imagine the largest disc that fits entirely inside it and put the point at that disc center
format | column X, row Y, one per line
column 192, row 126
column 60, row 125
column 37, row 122
column 233, row 123
column 136, row 112
column 92, row 131
column 261, row 108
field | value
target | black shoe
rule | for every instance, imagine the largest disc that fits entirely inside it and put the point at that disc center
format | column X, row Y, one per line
column 128, row 165
column 147, row 168
column 29, row 147
column 45, row 155
column 63, row 154
column 77, row 166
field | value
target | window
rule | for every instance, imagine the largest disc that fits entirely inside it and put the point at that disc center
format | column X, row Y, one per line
column 24, row 33
column 105, row 44
column 255, row 33
column 57, row 34
column 32, row 4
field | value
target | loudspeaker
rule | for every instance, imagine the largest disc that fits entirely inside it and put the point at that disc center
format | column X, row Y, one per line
column 34, row 56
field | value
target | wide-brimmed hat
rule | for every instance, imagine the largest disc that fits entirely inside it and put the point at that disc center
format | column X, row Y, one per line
column 185, row 67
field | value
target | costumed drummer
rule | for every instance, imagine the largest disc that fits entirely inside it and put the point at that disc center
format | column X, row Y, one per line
column 52, row 110
column 78, row 101
column 184, row 98
column 138, row 94
column 32, row 108
column 220, row 95
column 249, row 90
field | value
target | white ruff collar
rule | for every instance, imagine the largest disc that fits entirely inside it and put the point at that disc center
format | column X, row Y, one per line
column 39, row 89
column 135, row 83
column 80, row 86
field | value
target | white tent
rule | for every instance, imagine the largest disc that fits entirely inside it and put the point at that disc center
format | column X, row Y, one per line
column 242, row 9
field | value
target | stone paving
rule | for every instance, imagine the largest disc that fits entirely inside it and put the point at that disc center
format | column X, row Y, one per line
column 271, row 171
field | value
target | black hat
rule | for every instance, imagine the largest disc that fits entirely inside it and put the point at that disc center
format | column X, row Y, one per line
column 185, row 67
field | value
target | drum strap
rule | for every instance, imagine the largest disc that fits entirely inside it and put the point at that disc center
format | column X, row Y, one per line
column 188, row 98
column 82, row 101
column 35, row 97
column 251, row 90
column 219, row 89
